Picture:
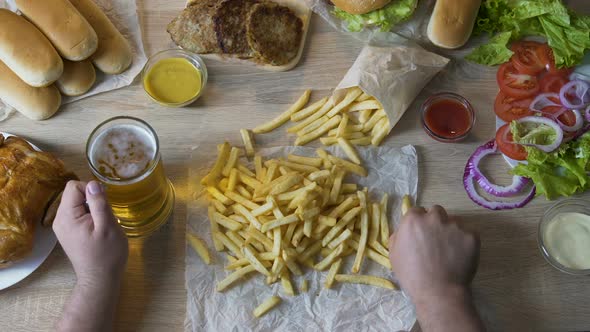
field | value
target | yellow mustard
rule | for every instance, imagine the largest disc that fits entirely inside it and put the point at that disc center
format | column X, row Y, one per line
column 173, row 81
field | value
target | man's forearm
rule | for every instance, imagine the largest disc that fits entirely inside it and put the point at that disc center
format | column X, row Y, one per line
column 450, row 310
column 91, row 307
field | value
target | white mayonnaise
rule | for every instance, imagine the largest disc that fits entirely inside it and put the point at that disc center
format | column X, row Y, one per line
column 567, row 240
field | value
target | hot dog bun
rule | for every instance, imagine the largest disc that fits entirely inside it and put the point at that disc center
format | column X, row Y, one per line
column 113, row 55
column 27, row 52
column 360, row 6
column 77, row 79
column 34, row 103
column 452, row 22
column 66, row 28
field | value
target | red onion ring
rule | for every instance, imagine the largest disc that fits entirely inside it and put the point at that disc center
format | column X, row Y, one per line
column 543, row 100
column 472, row 167
column 587, row 114
column 577, row 126
column 579, row 89
column 479, row 200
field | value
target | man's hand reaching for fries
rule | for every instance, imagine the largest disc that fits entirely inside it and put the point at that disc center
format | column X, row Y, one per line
column 435, row 260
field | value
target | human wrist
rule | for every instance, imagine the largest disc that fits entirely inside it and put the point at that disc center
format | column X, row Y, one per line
column 448, row 293
column 98, row 281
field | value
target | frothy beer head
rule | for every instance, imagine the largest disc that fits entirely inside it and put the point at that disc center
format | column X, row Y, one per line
column 123, row 152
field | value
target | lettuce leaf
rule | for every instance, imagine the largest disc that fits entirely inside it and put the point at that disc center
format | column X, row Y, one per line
column 493, row 53
column 560, row 173
column 567, row 33
column 385, row 18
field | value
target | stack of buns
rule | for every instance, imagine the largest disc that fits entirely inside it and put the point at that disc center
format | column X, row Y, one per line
column 54, row 48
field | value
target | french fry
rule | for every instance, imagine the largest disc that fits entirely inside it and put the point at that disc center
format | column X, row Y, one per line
column 285, row 116
column 351, row 95
column 242, row 200
column 337, row 185
column 229, row 244
column 291, row 264
column 366, row 280
column 365, row 105
column 349, row 150
column 348, row 204
column 218, row 166
column 199, row 246
column 231, row 161
column 324, row 263
column 406, row 204
column 214, row 228
column 277, row 244
column 223, row 184
column 310, row 251
column 358, row 260
column 247, row 214
column 340, row 239
column 384, row 221
column 248, row 142
column 309, row 110
column 233, row 179
column 364, row 96
column 346, row 219
column 279, row 222
column 332, row 273
column 375, row 223
column 266, row 306
column 299, row 167
column 317, row 115
column 250, row 256
column 364, row 116
column 271, row 173
column 372, row 254
column 377, row 115
column 235, row 276
column 378, row 247
column 257, row 235
column 245, row 170
column 236, row 238
column 263, row 209
column 258, row 167
column 347, row 165
column 279, row 185
column 324, row 128
column 363, row 141
column 304, row 286
column 286, row 283
column 238, row 218
column 250, row 181
column 310, row 161
column 297, row 236
column 349, row 188
column 325, row 220
column 341, row 130
column 318, row 175
column 380, row 134
column 244, row 192
column 226, row 222
column 307, row 226
column 219, row 196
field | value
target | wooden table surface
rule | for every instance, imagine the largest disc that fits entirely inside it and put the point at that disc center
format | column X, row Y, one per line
column 515, row 289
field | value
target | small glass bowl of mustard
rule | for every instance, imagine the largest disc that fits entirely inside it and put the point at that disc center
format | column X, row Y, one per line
column 174, row 77
column 563, row 228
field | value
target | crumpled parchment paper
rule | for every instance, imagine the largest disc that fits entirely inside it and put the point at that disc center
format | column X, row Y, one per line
column 414, row 28
column 393, row 70
column 345, row 307
column 123, row 14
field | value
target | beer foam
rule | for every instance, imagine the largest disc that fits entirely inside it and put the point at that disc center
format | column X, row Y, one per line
column 123, row 151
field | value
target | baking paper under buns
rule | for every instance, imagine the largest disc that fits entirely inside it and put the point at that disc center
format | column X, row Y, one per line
column 66, row 28
column 77, row 79
column 360, row 6
column 113, row 55
column 27, row 51
column 452, row 22
column 34, row 103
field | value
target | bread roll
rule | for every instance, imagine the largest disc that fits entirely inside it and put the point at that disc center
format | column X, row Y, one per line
column 360, row 6
column 34, row 103
column 66, row 28
column 113, row 55
column 27, row 51
column 452, row 22
column 77, row 79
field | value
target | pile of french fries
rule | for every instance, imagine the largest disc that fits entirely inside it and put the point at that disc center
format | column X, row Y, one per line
column 358, row 119
column 285, row 214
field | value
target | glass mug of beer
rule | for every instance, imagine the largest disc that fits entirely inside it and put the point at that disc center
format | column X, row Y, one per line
column 124, row 155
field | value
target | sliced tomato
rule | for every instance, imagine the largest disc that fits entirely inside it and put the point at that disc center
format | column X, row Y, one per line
column 506, row 144
column 552, row 82
column 508, row 108
column 515, row 84
column 528, row 57
column 568, row 118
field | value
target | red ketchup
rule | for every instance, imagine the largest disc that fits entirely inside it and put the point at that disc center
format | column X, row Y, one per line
column 447, row 117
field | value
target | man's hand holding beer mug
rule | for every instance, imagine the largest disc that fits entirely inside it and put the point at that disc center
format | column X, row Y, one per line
column 97, row 247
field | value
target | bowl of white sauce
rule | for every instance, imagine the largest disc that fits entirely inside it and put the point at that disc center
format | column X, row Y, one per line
column 564, row 236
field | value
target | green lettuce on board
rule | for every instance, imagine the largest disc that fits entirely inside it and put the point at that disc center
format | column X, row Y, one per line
column 385, row 18
column 567, row 33
column 563, row 172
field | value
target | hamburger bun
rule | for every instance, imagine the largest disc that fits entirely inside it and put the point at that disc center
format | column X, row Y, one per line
column 77, row 79
column 360, row 6
column 452, row 22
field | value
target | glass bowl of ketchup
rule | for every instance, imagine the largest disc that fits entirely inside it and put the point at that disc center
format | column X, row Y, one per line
column 447, row 117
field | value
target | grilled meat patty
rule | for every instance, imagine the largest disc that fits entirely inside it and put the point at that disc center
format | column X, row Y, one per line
column 194, row 30
column 274, row 33
column 230, row 28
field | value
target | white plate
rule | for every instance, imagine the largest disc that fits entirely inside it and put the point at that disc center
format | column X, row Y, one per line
column 44, row 242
